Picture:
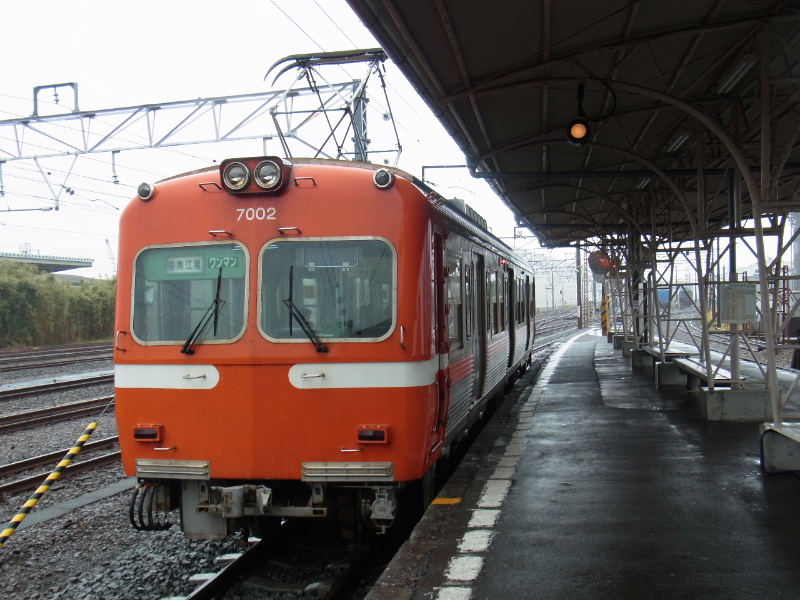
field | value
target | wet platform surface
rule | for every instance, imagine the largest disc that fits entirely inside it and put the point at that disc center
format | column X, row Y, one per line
column 591, row 483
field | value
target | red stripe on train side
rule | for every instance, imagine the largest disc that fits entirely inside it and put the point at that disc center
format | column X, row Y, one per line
column 500, row 346
column 461, row 369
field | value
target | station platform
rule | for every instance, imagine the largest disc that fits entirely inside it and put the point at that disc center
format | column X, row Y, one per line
column 590, row 482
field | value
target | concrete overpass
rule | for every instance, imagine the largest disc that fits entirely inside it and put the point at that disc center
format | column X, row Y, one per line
column 48, row 264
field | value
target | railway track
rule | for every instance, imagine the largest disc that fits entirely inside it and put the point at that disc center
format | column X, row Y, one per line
column 277, row 566
column 20, row 364
column 554, row 322
column 49, row 460
column 62, row 412
column 721, row 341
column 236, row 566
column 13, row 351
column 12, row 391
column 16, row 359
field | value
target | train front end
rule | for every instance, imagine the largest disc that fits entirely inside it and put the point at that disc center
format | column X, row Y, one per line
column 273, row 345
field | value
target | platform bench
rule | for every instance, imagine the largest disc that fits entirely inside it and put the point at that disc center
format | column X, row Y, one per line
column 696, row 372
column 669, row 354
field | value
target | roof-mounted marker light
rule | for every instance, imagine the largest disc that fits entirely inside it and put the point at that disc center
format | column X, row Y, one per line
column 146, row 191
column 236, row 176
column 383, row 179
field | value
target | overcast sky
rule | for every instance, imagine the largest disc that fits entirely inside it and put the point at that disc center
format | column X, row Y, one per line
column 153, row 52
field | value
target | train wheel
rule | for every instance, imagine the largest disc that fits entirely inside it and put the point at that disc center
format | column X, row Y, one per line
column 353, row 510
column 265, row 527
column 429, row 487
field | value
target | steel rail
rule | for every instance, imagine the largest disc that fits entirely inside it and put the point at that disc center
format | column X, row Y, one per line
column 28, row 350
column 229, row 575
column 46, row 459
column 21, row 392
column 23, row 363
column 344, row 587
column 33, row 481
column 50, row 415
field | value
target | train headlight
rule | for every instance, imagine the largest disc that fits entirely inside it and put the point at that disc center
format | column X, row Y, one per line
column 267, row 174
column 255, row 175
column 236, row 176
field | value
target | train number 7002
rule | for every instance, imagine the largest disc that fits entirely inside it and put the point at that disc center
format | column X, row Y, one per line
column 256, row 214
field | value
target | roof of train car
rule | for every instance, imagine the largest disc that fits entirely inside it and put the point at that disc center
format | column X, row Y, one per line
column 466, row 222
column 504, row 80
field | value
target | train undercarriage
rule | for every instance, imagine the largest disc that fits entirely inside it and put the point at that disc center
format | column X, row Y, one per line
column 216, row 509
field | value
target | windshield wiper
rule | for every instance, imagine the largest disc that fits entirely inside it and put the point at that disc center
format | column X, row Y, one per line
column 211, row 312
column 294, row 311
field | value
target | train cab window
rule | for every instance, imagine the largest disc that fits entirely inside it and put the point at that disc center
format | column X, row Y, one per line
column 454, row 303
column 344, row 288
column 192, row 293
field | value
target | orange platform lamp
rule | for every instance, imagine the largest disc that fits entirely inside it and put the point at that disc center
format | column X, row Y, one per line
column 579, row 129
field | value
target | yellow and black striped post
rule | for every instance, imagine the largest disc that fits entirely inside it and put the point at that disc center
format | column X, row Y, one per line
column 55, row 474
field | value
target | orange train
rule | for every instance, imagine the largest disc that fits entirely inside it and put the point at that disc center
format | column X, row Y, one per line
column 304, row 339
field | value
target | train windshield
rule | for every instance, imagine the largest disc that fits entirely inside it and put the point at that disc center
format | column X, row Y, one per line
column 344, row 288
column 190, row 295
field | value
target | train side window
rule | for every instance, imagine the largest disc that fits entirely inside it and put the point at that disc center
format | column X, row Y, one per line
column 454, row 303
column 501, row 302
column 345, row 288
column 175, row 287
column 523, row 311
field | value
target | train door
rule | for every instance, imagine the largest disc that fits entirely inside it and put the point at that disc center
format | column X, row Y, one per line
column 478, row 308
column 510, row 316
column 532, row 304
column 528, row 312
column 441, row 340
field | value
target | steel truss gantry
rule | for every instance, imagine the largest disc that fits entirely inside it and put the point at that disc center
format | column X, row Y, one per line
column 321, row 119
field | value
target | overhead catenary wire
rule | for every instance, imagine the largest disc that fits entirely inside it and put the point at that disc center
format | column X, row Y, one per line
column 93, row 177
column 432, row 147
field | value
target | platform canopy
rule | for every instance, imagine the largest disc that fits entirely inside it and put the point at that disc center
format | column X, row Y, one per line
column 685, row 101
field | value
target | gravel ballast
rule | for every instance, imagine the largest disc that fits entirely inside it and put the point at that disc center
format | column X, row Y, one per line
column 91, row 552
